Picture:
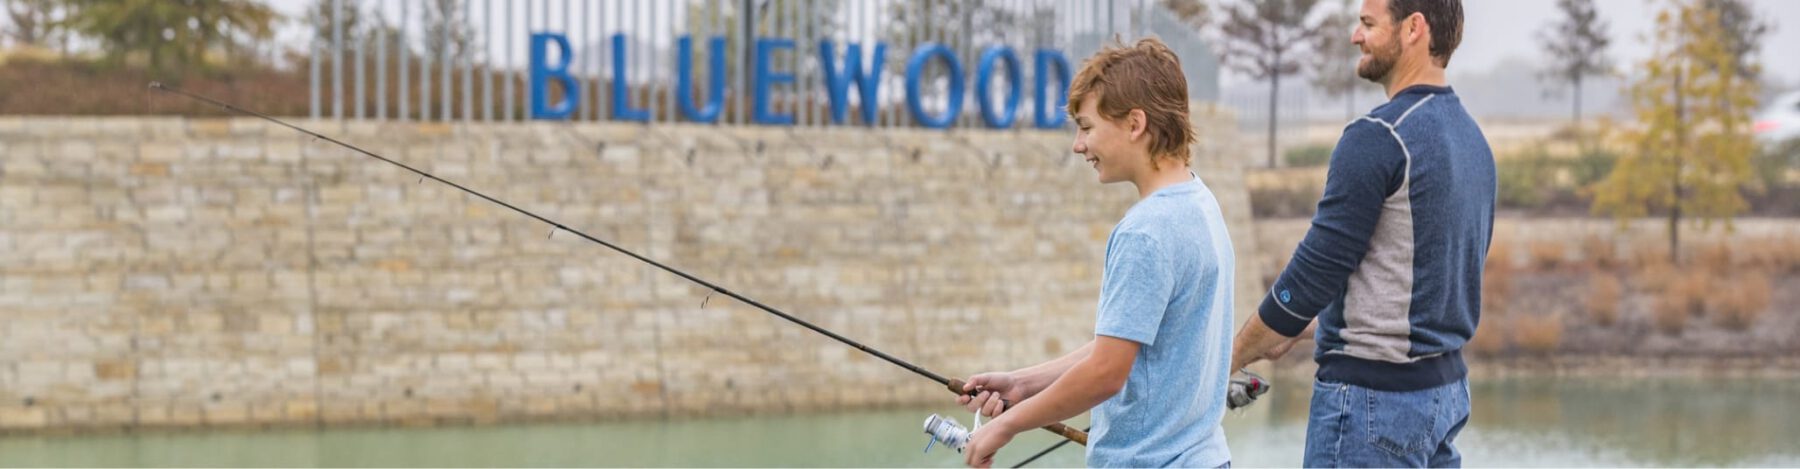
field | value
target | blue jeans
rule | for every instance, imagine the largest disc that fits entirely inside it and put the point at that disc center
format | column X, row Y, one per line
column 1353, row 426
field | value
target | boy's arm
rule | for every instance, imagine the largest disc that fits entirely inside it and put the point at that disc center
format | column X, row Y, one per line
column 1090, row 381
column 1035, row 378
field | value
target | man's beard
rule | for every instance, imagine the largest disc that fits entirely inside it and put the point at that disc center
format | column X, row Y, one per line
column 1381, row 61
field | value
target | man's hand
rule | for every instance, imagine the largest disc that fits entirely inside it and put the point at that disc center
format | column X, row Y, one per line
column 995, row 387
column 1257, row 342
column 987, row 441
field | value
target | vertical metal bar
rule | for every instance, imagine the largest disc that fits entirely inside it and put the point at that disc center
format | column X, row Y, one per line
column 425, row 61
column 719, row 26
column 337, row 60
column 656, row 84
column 804, row 33
column 785, row 30
column 487, row 61
column 313, row 73
column 405, row 54
column 601, row 95
column 964, row 15
column 506, row 74
column 745, row 34
column 381, row 82
column 446, row 24
column 581, row 79
column 634, row 44
column 468, row 62
column 361, row 104
column 1112, row 22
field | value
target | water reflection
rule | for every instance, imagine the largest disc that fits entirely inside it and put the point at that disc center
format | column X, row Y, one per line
column 1518, row 422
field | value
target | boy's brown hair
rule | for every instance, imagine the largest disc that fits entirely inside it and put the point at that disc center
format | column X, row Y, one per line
column 1145, row 76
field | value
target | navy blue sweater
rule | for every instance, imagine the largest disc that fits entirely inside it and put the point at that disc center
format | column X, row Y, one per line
column 1392, row 264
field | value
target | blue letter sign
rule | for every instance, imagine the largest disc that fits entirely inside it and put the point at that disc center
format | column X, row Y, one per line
column 541, row 74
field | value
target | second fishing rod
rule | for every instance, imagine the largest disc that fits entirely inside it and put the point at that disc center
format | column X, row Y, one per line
column 954, row 385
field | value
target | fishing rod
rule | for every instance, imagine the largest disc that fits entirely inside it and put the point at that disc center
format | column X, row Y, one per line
column 954, row 385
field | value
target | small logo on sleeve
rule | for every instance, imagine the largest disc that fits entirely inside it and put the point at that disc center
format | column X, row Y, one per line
column 1285, row 296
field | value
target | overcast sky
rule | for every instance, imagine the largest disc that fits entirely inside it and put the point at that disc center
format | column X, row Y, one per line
column 1494, row 30
column 1499, row 29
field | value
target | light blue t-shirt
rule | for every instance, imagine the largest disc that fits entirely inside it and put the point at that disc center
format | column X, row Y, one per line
column 1167, row 286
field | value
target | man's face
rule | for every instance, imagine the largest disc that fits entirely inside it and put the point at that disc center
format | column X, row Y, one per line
column 1107, row 145
column 1378, row 35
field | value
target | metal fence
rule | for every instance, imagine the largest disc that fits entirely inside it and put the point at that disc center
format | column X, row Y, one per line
column 467, row 60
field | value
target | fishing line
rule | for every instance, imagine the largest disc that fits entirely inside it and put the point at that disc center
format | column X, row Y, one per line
column 954, row 385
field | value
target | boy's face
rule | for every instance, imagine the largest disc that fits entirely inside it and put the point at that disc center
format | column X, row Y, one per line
column 1117, row 151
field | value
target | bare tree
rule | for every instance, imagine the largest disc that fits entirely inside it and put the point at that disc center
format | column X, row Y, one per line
column 447, row 27
column 1267, row 39
column 1577, row 47
column 1744, row 31
column 30, row 21
column 1335, row 57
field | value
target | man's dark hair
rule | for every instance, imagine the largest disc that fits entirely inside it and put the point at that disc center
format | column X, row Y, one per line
column 1445, row 18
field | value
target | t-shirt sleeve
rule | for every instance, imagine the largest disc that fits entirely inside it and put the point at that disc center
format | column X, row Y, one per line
column 1134, row 290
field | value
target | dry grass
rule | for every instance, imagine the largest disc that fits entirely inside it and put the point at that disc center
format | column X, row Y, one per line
column 1538, row 334
column 1648, row 253
column 1490, row 337
column 1600, row 253
column 1547, row 255
column 1738, row 303
column 1654, row 277
column 1497, row 279
column 1670, row 316
column 1712, row 257
column 1772, row 255
column 1604, row 293
column 1682, row 297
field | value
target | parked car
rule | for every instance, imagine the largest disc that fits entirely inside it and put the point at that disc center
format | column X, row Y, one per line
column 1780, row 120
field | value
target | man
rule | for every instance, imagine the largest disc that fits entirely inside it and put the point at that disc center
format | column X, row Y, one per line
column 1155, row 373
column 1392, row 266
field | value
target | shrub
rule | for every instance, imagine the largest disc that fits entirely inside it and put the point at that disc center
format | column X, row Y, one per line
column 1525, row 179
column 1670, row 313
column 1538, row 334
column 1546, row 255
column 1592, row 166
column 1713, row 257
column 1490, row 337
column 1739, row 303
column 1600, row 253
column 1604, row 293
column 1496, row 279
column 1306, row 156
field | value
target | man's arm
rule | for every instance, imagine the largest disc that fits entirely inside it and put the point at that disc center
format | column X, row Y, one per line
column 1256, row 341
column 1367, row 166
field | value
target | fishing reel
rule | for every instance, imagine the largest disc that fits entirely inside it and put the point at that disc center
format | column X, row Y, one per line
column 1245, row 387
column 947, row 431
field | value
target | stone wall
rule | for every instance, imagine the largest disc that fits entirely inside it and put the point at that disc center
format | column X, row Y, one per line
column 183, row 273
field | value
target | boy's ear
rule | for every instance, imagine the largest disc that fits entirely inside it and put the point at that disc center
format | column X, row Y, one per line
column 1139, row 122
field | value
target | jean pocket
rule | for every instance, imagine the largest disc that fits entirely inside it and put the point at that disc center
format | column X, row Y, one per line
column 1402, row 423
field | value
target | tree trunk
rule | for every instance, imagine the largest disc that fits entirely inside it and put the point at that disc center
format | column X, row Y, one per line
column 1274, row 94
column 1675, row 231
column 1679, row 155
column 1580, row 137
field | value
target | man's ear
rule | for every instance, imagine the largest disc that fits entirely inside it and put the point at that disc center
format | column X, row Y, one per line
column 1417, row 28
